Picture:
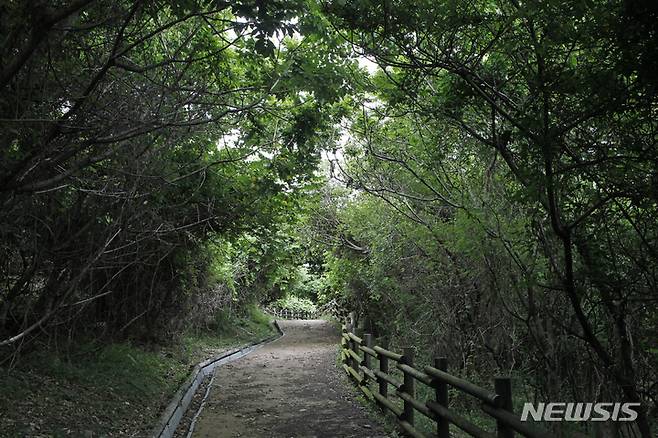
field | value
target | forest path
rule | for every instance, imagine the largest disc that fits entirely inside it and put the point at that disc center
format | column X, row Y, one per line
column 289, row 388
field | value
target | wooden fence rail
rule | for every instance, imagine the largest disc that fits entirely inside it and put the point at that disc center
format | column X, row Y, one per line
column 291, row 314
column 357, row 356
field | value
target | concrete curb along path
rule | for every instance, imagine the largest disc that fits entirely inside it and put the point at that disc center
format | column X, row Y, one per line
column 174, row 412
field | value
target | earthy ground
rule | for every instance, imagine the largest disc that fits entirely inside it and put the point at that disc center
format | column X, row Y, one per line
column 288, row 388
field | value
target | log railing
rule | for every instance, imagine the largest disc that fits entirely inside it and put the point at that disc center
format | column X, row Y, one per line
column 291, row 314
column 375, row 382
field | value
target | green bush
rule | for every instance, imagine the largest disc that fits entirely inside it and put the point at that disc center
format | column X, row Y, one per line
column 295, row 303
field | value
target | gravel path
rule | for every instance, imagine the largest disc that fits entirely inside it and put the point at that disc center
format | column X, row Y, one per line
column 289, row 388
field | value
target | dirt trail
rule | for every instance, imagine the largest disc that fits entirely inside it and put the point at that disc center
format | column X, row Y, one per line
column 288, row 388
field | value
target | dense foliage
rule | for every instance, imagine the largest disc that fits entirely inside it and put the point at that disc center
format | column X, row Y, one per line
column 491, row 190
column 504, row 207
column 154, row 156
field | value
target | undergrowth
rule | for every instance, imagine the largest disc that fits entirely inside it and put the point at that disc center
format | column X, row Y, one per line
column 116, row 389
column 295, row 303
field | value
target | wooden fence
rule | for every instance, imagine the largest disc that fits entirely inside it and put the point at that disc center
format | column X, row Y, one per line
column 291, row 314
column 357, row 356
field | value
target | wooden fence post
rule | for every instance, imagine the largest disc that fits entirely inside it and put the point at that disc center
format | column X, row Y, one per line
column 367, row 324
column 367, row 341
column 348, row 342
column 345, row 344
column 367, row 360
column 408, row 385
column 359, row 334
column 441, row 392
column 503, row 386
column 383, row 384
column 354, row 347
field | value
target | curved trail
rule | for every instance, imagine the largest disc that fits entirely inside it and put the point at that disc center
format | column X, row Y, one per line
column 289, row 388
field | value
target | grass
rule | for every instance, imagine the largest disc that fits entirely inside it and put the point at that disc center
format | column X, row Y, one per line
column 118, row 389
column 228, row 330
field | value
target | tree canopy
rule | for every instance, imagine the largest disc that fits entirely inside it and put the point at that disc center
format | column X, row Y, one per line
column 491, row 185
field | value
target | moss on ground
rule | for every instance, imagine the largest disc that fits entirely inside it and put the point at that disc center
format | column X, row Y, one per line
column 118, row 389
